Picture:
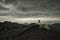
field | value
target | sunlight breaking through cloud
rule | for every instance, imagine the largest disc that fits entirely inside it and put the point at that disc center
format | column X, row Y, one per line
column 26, row 20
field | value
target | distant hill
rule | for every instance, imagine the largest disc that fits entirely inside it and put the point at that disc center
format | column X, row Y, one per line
column 55, row 26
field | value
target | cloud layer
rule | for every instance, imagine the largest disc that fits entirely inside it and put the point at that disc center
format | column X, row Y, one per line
column 30, row 8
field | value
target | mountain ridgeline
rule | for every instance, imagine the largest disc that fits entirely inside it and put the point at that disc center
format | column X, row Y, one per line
column 33, row 31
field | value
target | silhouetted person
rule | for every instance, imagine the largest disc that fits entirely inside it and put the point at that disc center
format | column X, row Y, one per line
column 38, row 21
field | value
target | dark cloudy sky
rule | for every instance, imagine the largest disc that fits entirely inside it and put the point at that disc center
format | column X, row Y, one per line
column 30, row 8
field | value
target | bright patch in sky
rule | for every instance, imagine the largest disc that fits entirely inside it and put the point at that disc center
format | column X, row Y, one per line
column 26, row 20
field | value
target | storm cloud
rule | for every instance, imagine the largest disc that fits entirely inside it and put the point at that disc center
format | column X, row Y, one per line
column 29, row 8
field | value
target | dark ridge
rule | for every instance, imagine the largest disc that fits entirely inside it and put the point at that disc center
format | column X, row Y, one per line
column 32, row 27
column 38, row 34
column 31, row 32
column 28, row 32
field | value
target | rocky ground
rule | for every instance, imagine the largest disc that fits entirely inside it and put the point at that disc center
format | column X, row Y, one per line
column 28, row 32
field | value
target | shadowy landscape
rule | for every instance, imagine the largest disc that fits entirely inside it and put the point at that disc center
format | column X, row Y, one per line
column 15, row 31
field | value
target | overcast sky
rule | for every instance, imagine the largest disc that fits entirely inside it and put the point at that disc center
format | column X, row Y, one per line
column 30, row 8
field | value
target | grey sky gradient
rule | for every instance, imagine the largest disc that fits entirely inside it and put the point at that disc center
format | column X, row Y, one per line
column 30, row 8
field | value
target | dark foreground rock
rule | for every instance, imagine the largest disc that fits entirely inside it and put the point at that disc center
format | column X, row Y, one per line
column 14, row 31
column 39, row 34
column 34, row 33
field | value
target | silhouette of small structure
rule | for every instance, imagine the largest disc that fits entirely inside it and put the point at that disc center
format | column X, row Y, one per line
column 39, row 23
column 43, row 25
